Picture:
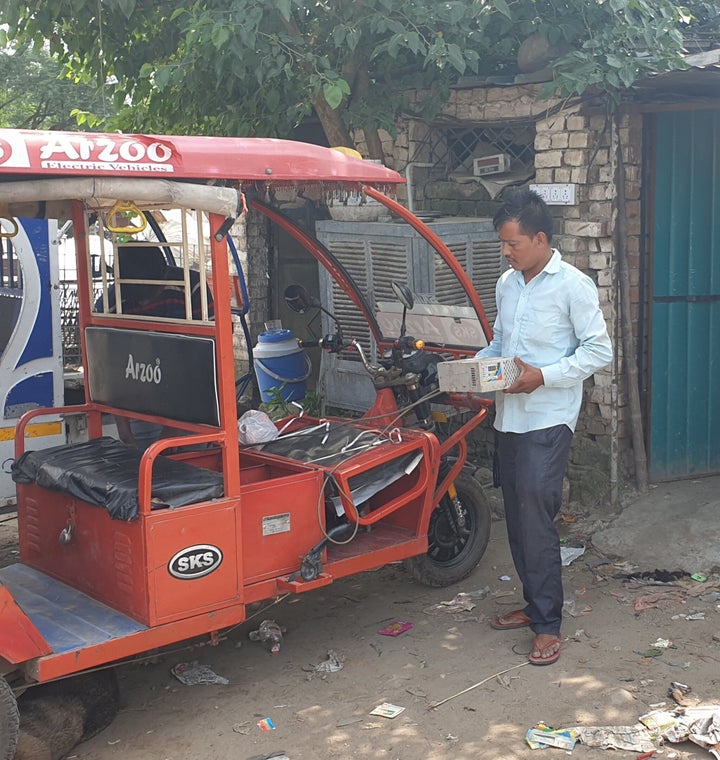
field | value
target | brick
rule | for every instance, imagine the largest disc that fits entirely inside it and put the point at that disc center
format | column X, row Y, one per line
column 598, row 261
column 562, row 175
column 595, row 426
column 572, row 244
column 550, row 159
column 579, row 175
column 600, row 192
column 498, row 94
column 633, row 191
column 634, row 226
column 602, row 157
column 586, row 229
column 600, row 209
column 560, row 140
column 542, row 142
column 571, row 212
column 579, row 140
column 632, row 209
column 575, row 157
column 544, row 176
column 575, row 123
column 604, row 278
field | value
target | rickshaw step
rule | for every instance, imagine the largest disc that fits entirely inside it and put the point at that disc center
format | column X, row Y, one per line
column 67, row 619
column 299, row 585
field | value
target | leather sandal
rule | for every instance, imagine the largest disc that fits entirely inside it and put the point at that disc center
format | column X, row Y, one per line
column 541, row 658
column 514, row 619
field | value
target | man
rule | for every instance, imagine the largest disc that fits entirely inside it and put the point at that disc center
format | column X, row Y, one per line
column 550, row 321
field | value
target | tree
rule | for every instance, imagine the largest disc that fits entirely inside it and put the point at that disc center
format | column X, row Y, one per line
column 243, row 67
column 36, row 94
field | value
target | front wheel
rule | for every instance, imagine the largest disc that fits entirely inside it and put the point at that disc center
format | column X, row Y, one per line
column 9, row 721
column 454, row 550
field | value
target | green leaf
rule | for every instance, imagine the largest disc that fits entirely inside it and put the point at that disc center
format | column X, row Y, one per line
column 455, row 57
column 285, row 8
column 502, row 7
column 353, row 37
column 339, row 34
column 127, row 7
column 220, row 35
column 333, row 94
column 162, row 77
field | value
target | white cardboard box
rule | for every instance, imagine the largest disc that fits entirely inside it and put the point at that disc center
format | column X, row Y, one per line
column 477, row 375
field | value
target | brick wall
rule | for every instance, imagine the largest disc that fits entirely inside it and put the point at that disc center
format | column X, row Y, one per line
column 571, row 146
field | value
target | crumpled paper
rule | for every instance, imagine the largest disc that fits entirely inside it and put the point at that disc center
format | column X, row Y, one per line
column 192, row 673
column 333, row 663
column 635, row 738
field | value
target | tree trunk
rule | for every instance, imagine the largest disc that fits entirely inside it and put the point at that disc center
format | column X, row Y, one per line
column 374, row 145
column 362, row 85
column 332, row 123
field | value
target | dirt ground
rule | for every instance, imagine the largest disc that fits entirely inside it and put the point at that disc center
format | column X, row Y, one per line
column 605, row 675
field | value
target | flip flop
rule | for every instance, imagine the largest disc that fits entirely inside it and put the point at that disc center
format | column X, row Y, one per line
column 514, row 619
column 550, row 658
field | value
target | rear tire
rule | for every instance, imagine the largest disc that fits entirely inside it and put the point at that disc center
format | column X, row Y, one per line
column 450, row 557
column 9, row 721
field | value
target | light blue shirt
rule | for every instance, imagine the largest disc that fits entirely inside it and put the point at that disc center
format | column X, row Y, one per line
column 553, row 323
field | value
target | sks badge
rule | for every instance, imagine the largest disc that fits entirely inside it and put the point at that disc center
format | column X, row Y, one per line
column 195, row 562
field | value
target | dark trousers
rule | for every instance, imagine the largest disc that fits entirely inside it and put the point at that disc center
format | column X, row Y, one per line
column 532, row 467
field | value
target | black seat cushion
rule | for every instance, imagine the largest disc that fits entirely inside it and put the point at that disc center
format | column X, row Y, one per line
column 104, row 471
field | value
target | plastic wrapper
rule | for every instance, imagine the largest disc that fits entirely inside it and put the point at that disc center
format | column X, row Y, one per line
column 256, row 427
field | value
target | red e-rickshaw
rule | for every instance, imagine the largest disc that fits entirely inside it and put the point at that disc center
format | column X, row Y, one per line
column 124, row 550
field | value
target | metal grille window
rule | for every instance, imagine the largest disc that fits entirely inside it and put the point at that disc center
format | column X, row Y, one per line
column 447, row 154
column 456, row 147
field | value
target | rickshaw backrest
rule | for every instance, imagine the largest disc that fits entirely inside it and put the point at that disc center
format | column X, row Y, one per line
column 168, row 375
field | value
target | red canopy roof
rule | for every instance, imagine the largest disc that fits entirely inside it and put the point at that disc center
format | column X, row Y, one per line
column 45, row 153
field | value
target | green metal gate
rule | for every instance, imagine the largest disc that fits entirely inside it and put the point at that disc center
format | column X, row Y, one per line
column 685, row 353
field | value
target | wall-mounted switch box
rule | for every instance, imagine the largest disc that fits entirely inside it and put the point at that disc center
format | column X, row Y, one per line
column 556, row 194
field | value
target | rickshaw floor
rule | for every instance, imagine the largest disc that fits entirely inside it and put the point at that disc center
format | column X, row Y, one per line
column 67, row 619
column 378, row 537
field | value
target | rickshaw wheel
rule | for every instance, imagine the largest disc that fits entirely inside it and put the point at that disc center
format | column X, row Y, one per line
column 453, row 555
column 9, row 721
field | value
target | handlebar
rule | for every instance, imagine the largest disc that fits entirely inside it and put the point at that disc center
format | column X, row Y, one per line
column 334, row 344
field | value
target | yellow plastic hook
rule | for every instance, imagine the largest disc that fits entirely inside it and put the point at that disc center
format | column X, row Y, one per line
column 6, row 217
column 125, row 211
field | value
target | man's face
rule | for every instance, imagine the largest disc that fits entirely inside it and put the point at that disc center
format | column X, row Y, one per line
column 524, row 253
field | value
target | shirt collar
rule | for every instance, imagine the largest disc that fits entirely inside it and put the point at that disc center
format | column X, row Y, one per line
column 553, row 266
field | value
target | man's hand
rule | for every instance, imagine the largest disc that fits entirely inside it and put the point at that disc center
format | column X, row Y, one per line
column 530, row 378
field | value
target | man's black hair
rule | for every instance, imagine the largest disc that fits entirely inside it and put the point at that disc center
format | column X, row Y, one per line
column 529, row 210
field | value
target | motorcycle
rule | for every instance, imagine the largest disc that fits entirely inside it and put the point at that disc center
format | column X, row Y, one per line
column 405, row 379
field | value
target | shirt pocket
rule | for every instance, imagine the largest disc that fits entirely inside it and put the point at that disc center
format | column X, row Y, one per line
column 546, row 326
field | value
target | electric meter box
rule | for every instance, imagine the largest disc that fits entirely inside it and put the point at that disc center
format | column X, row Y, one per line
column 495, row 164
column 477, row 375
